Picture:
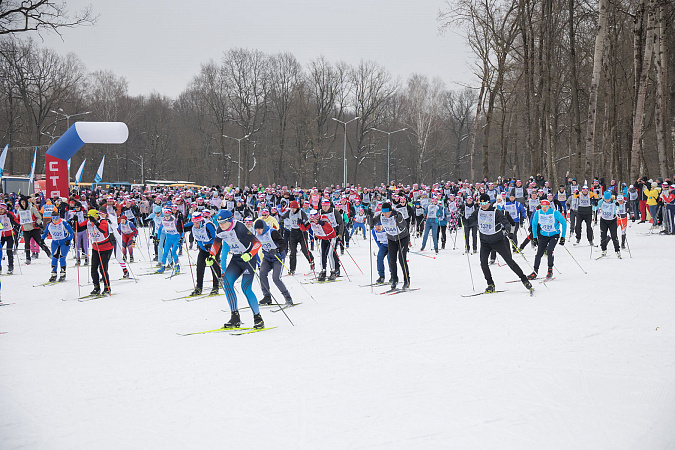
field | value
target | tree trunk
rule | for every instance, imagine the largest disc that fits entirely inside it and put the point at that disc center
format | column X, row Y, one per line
column 660, row 104
column 595, row 81
column 474, row 133
column 575, row 166
column 638, row 117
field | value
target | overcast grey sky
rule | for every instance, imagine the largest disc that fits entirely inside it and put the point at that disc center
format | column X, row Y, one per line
column 159, row 45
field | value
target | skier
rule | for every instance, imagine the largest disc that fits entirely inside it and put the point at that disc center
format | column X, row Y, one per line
column 466, row 210
column 169, row 226
column 30, row 219
column 622, row 218
column 398, row 237
column 204, row 232
column 432, row 214
column 128, row 231
column 381, row 240
column 274, row 251
column 585, row 213
column 518, row 213
column 546, row 221
column 493, row 226
column 101, row 250
column 608, row 210
column 78, row 221
column 298, row 222
column 359, row 222
column 323, row 231
column 244, row 247
column 8, row 221
column 62, row 233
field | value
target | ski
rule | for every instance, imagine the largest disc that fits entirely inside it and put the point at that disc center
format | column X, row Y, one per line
column 217, row 330
column 600, row 257
column 481, row 293
column 197, row 297
column 520, row 281
column 86, row 298
column 6, row 304
column 388, row 291
column 374, row 284
column 48, row 283
column 173, row 275
column 399, row 291
column 286, row 307
column 254, row 330
column 547, row 279
column 319, row 282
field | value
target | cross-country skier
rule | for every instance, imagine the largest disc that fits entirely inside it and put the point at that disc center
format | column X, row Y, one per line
column 325, row 233
column 101, row 250
column 382, row 242
column 204, row 232
column 493, row 227
column 547, row 221
column 398, row 237
column 243, row 246
column 62, row 233
column 274, row 251
column 608, row 210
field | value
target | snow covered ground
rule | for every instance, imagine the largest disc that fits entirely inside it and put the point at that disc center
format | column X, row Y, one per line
column 587, row 363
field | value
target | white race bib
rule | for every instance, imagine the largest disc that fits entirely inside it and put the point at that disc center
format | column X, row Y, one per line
column 486, row 222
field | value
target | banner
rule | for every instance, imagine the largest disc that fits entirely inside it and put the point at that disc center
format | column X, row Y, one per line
column 3, row 157
column 99, row 172
column 78, row 175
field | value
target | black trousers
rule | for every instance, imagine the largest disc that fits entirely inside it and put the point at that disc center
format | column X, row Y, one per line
column 10, row 249
column 581, row 218
column 201, row 267
column 298, row 237
column 399, row 248
column 546, row 245
column 35, row 234
column 611, row 226
column 474, row 230
column 99, row 263
column 501, row 247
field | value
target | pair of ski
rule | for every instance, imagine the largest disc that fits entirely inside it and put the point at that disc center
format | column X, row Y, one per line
column 395, row 291
column 86, row 298
column 543, row 280
column 171, row 274
column 320, row 282
column 6, row 304
column 280, row 307
column 49, row 283
column 191, row 297
column 234, row 331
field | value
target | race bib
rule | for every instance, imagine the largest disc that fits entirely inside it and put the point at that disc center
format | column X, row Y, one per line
column 200, row 233
column 486, row 222
column 25, row 217
column 607, row 211
column 58, row 232
column 547, row 222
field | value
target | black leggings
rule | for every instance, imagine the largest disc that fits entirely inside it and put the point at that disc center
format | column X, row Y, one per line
column 546, row 245
column 99, row 262
column 501, row 247
column 399, row 247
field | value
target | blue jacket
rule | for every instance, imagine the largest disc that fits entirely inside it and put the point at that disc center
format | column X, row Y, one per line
column 558, row 219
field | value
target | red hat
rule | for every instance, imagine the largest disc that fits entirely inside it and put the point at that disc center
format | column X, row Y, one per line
column 545, row 202
column 294, row 205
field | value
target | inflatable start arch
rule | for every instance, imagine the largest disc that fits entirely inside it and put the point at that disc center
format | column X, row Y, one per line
column 80, row 133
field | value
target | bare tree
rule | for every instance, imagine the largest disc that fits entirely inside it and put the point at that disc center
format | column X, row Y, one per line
column 17, row 16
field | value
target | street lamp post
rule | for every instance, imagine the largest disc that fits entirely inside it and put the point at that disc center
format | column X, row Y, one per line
column 239, row 157
column 388, row 133
column 68, row 116
column 344, row 152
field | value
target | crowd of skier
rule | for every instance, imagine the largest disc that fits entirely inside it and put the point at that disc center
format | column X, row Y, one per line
column 257, row 227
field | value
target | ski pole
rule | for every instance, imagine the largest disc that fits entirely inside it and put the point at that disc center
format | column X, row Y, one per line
column 339, row 260
column 521, row 253
column 194, row 284
column 16, row 250
column 350, row 255
column 466, row 241
column 273, row 298
column 421, row 254
column 282, row 263
column 628, row 247
column 370, row 251
column 575, row 260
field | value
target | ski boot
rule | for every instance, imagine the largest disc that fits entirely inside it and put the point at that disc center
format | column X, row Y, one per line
column 86, row 260
column 406, row 285
column 106, row 290
column 235, row 321
column 443, row 246
column 126, row 274
column 436, row 251
column 266, row 300
column 490, row 289
column 528, row 286
column 214, row 290
column 379, row 280
column 492, row 262
column 291, row 272
column 604, row 253
column 176, row 269
column 62, row 277
column 258, row 322
column 618, row 255
column 421, row 249
column 155, row 258
column 161, row 269
column 96, row 290
column 393, row 284
column 10, row 270
column 532, row 276
column 332, row 276
column 131, row 258
column 591, row 242
column 549, row 273
column 197, row 291
column 623, row 242
column 322, row 276
column 52, row 279
column 289, row 301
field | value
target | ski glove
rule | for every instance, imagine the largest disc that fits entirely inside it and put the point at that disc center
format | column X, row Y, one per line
column 562, row 241
column 210, row 260
column 67, row 243
column 246, row 257
column 535, row 241
column 273, row 251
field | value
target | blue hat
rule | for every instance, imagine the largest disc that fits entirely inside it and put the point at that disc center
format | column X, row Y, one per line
column 224, row 215
column 608, row 195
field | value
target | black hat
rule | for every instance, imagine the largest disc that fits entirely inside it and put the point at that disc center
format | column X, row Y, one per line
column 484, row 198
column 259, row 224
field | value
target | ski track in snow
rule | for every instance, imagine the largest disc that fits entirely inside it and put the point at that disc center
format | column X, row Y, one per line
column 580, row 365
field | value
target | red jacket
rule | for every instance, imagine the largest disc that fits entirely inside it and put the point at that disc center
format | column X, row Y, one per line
column 8, row 220
column 100, row 236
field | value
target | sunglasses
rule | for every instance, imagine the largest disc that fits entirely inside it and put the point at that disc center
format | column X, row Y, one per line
column 484, row 203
